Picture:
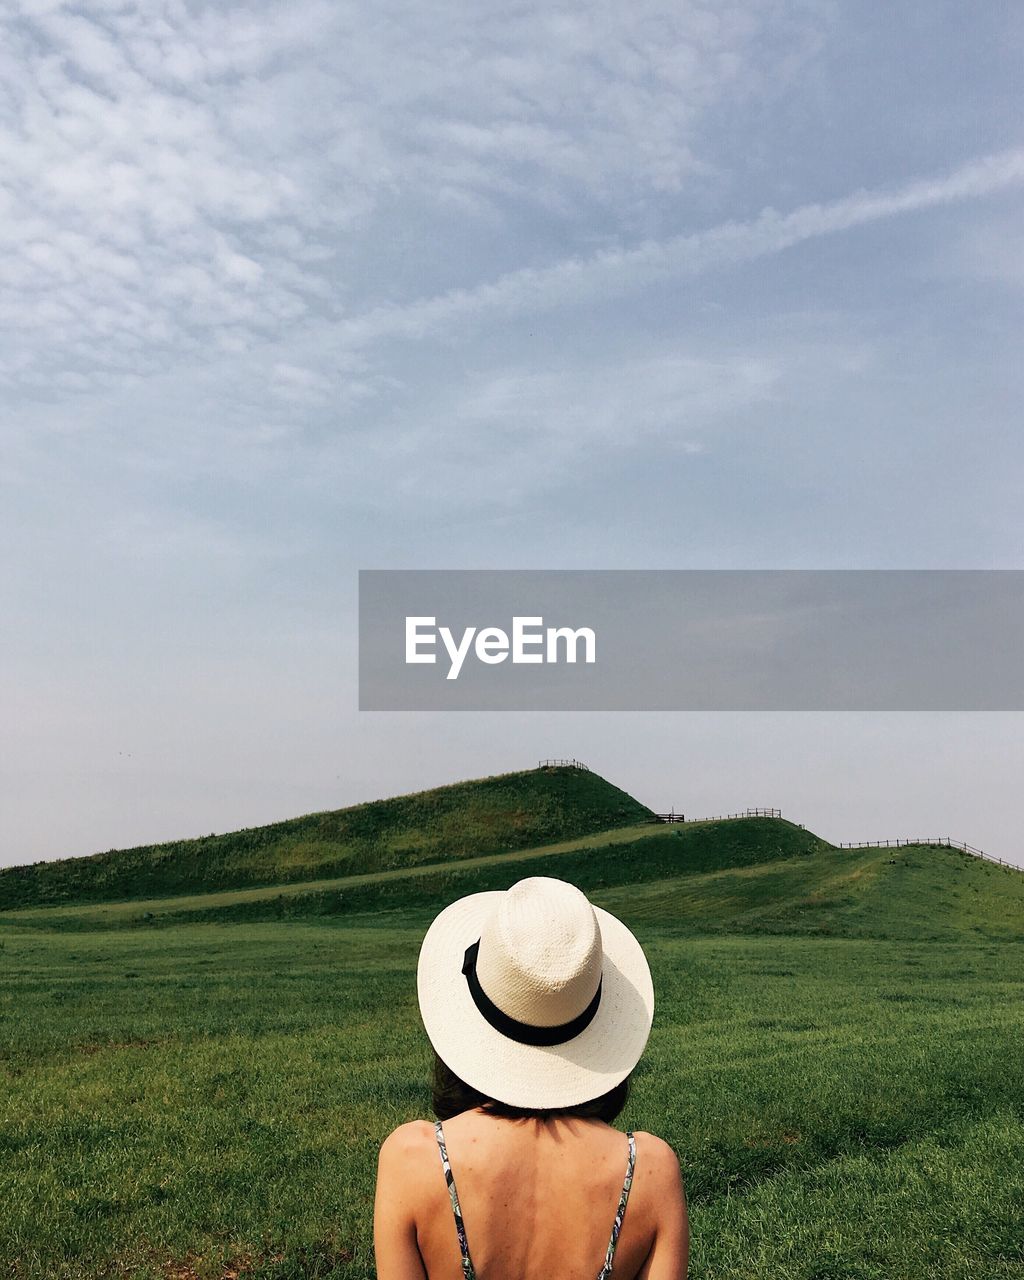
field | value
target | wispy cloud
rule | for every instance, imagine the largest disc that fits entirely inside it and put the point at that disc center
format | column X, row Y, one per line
column 178, row 181
column 318, row 390
column 180, row 186
column 576, row 280
column 340, row 366
column 133, row 222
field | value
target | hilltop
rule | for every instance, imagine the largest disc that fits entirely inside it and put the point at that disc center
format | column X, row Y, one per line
column 466, row 819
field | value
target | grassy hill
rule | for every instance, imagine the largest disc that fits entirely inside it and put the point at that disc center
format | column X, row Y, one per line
column 739, row 876
column 923, row 893
column 489, row 815
column 622, row 856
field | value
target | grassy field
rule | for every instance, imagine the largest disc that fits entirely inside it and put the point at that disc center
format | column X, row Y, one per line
column 837, row 1058
column 207, row 1100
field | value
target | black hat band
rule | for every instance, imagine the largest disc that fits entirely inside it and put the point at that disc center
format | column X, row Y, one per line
column 523, row 1032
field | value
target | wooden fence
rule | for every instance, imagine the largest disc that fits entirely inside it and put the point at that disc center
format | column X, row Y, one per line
column 563, row 764
column 943, row 841
column 718, row 817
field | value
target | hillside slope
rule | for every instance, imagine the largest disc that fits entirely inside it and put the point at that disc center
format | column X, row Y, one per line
column 620, row 857
column 745, row 876
column 488, row 815
column 919, row 892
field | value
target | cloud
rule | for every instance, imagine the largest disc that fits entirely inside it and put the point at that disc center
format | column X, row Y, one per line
column 187, row 186
column 577, row 280
column 181, row 180
column 130, row 219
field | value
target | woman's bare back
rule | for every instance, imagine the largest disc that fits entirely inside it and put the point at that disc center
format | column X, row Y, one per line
column 538, row 1198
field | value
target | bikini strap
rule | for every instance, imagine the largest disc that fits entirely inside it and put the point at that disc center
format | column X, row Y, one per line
column 620, row 1213
column 467, row 1266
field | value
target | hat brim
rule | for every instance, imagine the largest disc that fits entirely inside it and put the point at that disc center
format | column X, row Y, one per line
column 523, row 1075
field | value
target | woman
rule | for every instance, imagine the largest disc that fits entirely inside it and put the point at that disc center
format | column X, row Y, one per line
column 538, row 1006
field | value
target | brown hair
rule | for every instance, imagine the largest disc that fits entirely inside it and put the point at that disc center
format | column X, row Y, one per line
column 451, row 1096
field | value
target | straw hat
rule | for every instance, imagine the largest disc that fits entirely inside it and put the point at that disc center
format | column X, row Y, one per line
column 533, row 996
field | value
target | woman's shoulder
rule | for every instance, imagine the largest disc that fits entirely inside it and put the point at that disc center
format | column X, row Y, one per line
column 408, row 1141
column 657, row 1147
column 656, row 1158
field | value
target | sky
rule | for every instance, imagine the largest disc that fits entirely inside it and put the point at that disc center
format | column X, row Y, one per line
column 290, row 291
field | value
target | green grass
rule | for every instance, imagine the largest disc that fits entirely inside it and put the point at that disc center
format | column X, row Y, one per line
column 191, row 1100
column 489, row 815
